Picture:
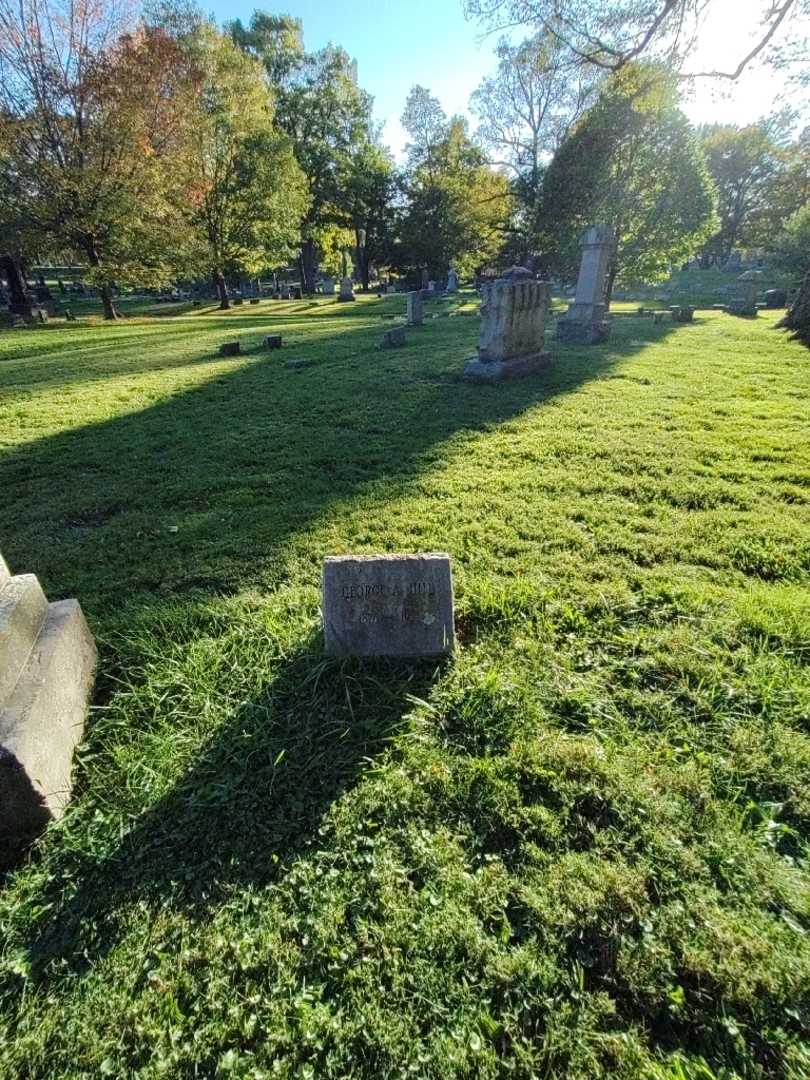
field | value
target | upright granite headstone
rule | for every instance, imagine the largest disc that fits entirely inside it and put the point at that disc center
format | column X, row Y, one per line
column 346, row 291
column 452, row 281
column 328, row 286
column 512, row 335
column 425, row 277
column 586, row 322
column 415, row 308
column 47, row 659
column 743, row 296
column 388, row 605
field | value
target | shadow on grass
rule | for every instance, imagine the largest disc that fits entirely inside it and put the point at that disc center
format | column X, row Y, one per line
column 201, row 492
column 247, row 809
column 205, row 487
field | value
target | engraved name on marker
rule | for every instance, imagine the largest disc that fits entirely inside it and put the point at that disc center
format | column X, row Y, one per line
column 388, row 605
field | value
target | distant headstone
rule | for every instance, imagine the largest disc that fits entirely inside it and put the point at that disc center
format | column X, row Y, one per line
column 295, row 293
column 230, row 348
column 743, row 296
column 683, row 314
column 272, row 341
column 255, row 300
column 415, row 308
column 388, row 605
column 346, row 291
column 298, row 362
column 390, row 290
column 431, row 288
column 776, row 298
column 424, row 279
column 512, row 335
column 328, row 285
column 452, row 281
column 393, row 338
column 69, row 315
column 586, row 322
column 285, row 292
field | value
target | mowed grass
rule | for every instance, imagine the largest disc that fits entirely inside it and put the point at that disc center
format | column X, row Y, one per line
column 577, row 849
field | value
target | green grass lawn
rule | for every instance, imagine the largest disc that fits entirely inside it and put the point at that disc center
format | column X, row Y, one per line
column 578, row 849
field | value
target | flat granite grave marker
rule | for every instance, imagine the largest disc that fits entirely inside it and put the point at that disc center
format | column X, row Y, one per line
column 388, row 605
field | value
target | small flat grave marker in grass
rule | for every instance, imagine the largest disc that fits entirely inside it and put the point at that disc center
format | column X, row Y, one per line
column 394, row 338
column 388, row 605
column 298, row 362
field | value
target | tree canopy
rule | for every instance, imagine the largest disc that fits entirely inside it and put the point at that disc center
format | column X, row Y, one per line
column 631, row 162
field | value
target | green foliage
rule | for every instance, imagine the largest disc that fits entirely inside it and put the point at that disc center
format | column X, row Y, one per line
column 793, row 244
column 577, row 850
column 93, row 114
column 457, row 206
column 243, row 193
column 631, row 162
column 745, row 164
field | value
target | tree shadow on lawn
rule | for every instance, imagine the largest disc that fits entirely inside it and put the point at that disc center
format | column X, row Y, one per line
column 207, row 485
column 249, row 807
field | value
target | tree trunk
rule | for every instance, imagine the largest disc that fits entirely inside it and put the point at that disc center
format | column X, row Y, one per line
column 104, row 290
column 611, row 278
column 798, row 318
column 310, row 265
column 221, row 285
column 18, row 296
column 107, row 302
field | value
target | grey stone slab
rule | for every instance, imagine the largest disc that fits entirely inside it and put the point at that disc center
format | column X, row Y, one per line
column 42, row 721
column 388, row 605
column 230, row 348
column 272, row 341
column 494, row 371
column 393, row 338
column 22, row 612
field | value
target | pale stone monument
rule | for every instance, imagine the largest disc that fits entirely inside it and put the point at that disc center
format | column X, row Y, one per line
column 452, row 281
column 47, row 660
column 512, row 334
column 388, row 605
column 586, row 322
column 346, row 290
column 328, row 286
column 415, row 308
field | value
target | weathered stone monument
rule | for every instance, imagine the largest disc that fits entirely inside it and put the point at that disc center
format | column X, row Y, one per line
column 393, row 338
column 47, row 659
column 415, row 308
column 512, row 335
column 743, row 296
column 328, row 286
column 346, row 291
column 230, row 348
column 452, row 281
column 586, row 322
column 388, row 605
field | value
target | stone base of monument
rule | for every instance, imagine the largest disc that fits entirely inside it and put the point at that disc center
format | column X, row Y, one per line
column 574, row 332
column 494, row 371
column 47, row 660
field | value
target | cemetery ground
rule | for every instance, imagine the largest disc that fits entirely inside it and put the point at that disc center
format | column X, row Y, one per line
column 575, row 849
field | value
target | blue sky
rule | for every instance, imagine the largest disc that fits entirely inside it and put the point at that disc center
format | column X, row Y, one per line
column 398, row 43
